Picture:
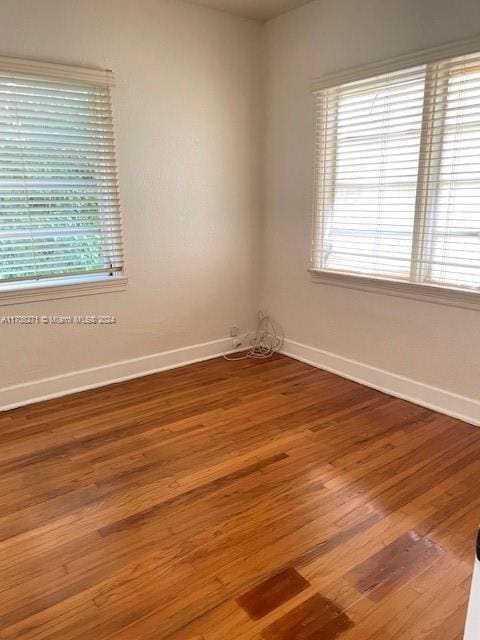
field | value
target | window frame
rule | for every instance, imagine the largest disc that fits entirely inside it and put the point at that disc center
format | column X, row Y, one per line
column 62, row 286
column 417, row 290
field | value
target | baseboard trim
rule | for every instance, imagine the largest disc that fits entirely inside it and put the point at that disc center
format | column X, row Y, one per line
column 451, row 404
column 39, row 390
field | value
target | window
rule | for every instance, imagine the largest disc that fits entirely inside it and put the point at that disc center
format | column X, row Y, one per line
column 398, row 175
column 59, row 205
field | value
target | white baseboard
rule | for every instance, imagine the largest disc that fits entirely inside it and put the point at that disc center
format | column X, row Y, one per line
column 452, row 404
column 47, row 388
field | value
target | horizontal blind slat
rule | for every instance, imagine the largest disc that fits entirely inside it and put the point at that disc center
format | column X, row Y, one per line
column 59, row 205
column 58, row 273
column 372, row 138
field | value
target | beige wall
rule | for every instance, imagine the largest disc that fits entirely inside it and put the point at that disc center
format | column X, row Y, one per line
column 187, row 127
column 430, row 343
column 190, row 141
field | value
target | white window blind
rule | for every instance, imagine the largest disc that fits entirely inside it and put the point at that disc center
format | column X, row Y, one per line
column 398, row 175
column 59, row 204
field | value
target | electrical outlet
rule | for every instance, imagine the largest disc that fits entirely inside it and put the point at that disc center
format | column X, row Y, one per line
column 234, row 332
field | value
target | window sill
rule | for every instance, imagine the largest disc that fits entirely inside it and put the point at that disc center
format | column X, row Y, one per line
column 397, row 288
column 60, row 288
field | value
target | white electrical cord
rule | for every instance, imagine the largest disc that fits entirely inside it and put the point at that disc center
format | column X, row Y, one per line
column 262, row 343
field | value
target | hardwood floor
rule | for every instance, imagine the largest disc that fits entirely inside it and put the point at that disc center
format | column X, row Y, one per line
column 236, row 501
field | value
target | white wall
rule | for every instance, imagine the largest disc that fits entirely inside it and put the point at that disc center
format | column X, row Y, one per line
column 188, row 110
column 433, row 344
column 187, row 127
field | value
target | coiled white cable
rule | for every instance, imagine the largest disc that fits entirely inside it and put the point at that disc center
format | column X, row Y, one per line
column 262, row 343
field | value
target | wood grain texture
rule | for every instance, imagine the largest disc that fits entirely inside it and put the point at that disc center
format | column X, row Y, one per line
column 315, row 619
column 271, row 593
column 386, row 570
column 149, row 508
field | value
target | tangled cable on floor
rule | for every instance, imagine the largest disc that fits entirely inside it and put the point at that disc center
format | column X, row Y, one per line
column 262, row 343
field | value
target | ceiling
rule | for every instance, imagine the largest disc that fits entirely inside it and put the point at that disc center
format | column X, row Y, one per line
column 256, row 9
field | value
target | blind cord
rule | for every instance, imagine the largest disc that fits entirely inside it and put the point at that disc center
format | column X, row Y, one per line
column 262, row 343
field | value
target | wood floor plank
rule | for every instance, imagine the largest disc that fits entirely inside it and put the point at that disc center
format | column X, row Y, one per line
column 383, row 572
column 315, row 619
column 270, row 594
column 162, row 507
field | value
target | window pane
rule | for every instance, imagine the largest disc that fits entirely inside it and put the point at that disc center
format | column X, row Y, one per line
column 373, row 140
column 59, row 210
column 455, row 219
